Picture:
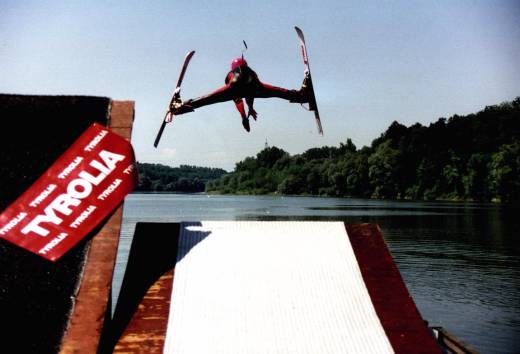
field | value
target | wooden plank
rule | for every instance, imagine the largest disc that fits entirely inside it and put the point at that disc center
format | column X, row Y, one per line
column 399, row 316
column 92, row 301
column 143, row 307
column 148, row 326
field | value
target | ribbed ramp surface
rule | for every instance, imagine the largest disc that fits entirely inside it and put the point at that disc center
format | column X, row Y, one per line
column 270, row 287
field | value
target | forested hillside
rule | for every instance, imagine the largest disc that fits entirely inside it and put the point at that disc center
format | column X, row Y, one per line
column 161, row 178
column 473, row 157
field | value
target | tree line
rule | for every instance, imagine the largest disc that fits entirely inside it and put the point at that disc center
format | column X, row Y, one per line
column 472, row 157
column 161, row 178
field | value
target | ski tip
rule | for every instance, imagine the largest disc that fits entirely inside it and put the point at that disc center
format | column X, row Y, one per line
column 190, row 54
column 299, row 31
column 156, row 142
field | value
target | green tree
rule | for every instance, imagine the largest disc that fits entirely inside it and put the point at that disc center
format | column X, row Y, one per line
column 357, row 176
column 381, row 171
column 145, row 183
column 504, row 171
column 476, row 184
column 427, row 185
column 347, row 148
column 337, row 178
column 313, row 178
column 269, row 156
column 292, row 185
column 452, row 176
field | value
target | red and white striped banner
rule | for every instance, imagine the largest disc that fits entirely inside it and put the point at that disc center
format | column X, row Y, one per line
column 73, row 196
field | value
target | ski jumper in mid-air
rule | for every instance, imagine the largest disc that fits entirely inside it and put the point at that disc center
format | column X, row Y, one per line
column 241, row 84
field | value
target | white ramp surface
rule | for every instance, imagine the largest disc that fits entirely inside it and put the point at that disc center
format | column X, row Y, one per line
column 270, row 287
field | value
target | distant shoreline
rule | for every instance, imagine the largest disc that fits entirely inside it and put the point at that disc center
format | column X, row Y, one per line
column 209, row 194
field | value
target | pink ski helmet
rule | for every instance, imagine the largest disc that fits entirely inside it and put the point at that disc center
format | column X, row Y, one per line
column 238, row 62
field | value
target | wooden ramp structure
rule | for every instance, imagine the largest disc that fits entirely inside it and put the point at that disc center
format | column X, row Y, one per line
column 264, row 287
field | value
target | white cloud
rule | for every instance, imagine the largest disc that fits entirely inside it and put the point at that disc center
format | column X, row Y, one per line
column 168, row 153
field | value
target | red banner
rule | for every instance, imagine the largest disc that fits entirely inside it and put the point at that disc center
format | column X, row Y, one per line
column 73, row 196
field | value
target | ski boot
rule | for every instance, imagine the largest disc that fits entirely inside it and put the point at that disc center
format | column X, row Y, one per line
column 252, row 113
column 245, row 124
column 303, row 94
column 178, row 107
column 305, row 89
column 250, row 110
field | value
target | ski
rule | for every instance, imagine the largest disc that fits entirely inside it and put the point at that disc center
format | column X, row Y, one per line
column 313, row 106
column 176, row 95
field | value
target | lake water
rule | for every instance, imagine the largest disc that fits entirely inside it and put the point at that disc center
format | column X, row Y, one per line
column 460, row 261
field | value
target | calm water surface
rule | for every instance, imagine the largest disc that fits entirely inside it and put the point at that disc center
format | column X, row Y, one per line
column 460, row 261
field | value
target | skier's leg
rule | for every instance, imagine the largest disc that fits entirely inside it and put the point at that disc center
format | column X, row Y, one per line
column 224, row 93
column 264, row 90
column 239, row 103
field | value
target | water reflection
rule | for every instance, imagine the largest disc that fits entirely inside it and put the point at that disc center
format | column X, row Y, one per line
column 460, row 261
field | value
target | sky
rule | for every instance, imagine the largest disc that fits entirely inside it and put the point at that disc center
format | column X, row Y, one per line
column 372, row 62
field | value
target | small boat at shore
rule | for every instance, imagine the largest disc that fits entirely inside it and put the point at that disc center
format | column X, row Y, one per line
column 449, row 343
